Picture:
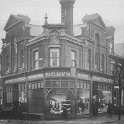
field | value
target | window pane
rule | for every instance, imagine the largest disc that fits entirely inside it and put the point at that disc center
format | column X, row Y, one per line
column 73, row 58
column 54, row 57
column 36, row 59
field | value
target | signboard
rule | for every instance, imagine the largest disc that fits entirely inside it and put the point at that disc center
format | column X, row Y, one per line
column 83, row 76
column 57, row 74
column 102, row 79
column 116, row 87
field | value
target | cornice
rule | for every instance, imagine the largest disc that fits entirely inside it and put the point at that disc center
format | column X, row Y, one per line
column 12, row 25
column 62, row 35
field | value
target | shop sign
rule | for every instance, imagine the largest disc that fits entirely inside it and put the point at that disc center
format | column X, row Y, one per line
column 21, row 79
column 101, row 79
column 57, row 74
column 83, row 76
column 116, row 87
column 35, row 77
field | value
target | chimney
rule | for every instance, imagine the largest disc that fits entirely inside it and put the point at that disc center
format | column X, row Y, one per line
column 67, row 15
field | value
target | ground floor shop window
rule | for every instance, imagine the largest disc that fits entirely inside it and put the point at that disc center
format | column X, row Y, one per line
column 1, row 96
column 9, row 94
column 102, row 96
column 22, row 93
column 60, row 100
column 35, row 85
column 83, row 101
column 56, row 104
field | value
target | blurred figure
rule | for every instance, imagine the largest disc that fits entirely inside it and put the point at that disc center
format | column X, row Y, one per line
column 110, row 108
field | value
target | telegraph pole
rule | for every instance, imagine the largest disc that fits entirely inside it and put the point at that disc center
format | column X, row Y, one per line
column 119, row 85
column 119, row 81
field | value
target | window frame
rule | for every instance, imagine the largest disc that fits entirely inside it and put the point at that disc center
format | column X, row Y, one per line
column 33, row 59
column 56, row 58
column 73, row 59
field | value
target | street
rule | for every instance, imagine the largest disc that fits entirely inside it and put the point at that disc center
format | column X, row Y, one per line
column 118, row 122
column 96, row 120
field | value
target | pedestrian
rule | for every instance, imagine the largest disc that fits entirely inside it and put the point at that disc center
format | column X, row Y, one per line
column 109, row 109
column 65, row 114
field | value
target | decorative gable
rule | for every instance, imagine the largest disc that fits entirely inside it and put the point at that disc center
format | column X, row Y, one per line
column 54, row 37
column 15, row 19
column 11, row 21
column 94, row 18
column 99, row 21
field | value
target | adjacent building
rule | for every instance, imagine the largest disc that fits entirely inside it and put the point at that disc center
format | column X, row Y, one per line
column 43, row 66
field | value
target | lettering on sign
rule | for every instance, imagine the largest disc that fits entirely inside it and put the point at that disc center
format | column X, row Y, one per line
column 57, row 74
column 101, row 79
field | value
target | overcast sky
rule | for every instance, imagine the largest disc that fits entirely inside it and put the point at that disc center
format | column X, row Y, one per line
column 112, row 12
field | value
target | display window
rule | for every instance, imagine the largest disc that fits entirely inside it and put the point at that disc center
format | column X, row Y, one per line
column 102, row 95
column 83, row 101
column 9, row 92
column 56, row 104
column 22, row 93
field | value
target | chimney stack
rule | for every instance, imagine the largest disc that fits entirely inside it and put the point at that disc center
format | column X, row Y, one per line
column 67, row 15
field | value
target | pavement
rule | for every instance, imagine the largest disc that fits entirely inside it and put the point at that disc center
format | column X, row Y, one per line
column 104, row 119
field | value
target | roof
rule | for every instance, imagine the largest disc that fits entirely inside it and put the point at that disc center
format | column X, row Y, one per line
column 110, row 31
column 15, row 19
column 35, row 30
column 64, row 1
column 54, row 26
column 117, row 58
column 92, row 18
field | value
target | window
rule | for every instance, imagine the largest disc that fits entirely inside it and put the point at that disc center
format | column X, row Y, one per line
column 102, row 62
column 22, row 93
column 110, row 48
column 54, row 57
column 7, row 70
column 97, row 39
column 96, row 61
column 22, row 58
column 9, row 93
column 89, row 58
column 73, row 58
column 35, row 59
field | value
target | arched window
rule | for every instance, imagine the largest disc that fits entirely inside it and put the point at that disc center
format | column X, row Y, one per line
column 7, row 63
column 97, row 39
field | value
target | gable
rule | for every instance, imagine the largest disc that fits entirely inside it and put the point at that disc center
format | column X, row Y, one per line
column 54, row 37
column 15, row 19
column 99, row 21
column 12, row 20
column 94, row 18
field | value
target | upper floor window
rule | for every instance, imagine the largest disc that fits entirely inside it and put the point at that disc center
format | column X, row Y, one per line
column 89, row 58
column 97, row 61
column 73, row 58
column 110, row 48
column 102, row 62
column 54, row 57
column 97, row 39
column 22, row 58
column 7, row 63
column 35, row 59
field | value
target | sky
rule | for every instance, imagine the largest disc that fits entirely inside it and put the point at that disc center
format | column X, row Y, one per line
column 111, row 12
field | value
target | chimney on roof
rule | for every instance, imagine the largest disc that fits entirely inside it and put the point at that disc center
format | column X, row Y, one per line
column 46, row 17
column 67, row 15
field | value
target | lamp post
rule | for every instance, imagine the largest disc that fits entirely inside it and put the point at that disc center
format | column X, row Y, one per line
column 117, row 74
column 119, row 84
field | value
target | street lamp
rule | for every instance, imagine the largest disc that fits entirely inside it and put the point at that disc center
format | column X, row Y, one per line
column 117, row 74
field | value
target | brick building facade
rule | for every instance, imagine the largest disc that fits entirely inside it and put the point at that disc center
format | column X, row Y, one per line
column 53, row 65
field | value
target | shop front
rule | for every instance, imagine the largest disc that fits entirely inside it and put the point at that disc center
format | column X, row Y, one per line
column 102, row 94
column 52, row 90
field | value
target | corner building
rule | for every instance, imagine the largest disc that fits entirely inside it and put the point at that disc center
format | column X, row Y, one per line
column 43, row 66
